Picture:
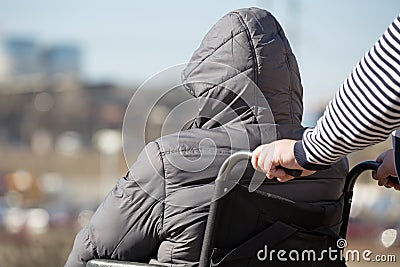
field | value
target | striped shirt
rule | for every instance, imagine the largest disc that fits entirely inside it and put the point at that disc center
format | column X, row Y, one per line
column 364, row 111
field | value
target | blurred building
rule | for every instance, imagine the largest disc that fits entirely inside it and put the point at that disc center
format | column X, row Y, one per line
column 62, row 59
column 36, row 81
column 24, row 56
column 61, row 66
column 28, row 66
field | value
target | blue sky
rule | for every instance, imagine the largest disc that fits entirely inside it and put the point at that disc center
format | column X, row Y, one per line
column 128, row 41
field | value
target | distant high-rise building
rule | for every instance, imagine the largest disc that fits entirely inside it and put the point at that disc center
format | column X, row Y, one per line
column 62, row 59
column 27, row 66
column 24, row 56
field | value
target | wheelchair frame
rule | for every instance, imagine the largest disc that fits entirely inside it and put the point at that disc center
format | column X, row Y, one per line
column 225, row 169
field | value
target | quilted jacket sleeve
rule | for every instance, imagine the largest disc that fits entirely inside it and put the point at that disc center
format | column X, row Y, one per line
column 127, row 223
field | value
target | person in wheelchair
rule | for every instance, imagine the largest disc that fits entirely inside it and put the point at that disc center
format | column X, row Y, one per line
column 249, row 91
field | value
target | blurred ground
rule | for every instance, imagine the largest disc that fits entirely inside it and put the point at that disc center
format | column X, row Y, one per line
column 45, row 240
column 49, row 249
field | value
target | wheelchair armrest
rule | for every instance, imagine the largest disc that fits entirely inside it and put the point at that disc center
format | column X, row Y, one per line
column 113, row 263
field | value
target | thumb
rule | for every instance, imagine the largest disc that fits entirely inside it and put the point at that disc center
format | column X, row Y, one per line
column 307, row 172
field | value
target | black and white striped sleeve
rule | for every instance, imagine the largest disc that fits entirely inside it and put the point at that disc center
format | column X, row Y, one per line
column 364, row 111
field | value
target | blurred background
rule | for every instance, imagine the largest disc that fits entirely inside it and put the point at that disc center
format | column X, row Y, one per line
column 68, row 70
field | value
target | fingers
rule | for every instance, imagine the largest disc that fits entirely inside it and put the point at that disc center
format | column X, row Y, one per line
column 382, row 172
column 389, row 185
column 382, row 181
column 254, row 157
column 385, row 170
column 282, row 176
column 386, row 182
column 272, row 158
column 257, row 158
column 387, row 165
column 263, row 161
column 266, row 158
column 397, row 187
column 262, row 158
column 285, row 179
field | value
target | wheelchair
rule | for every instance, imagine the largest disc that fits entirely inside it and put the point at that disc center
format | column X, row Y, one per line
column 241, row 223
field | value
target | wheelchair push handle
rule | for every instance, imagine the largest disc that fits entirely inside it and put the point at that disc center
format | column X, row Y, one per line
column 352, row 176
column 235, row 158
column 358, row 169
column 294, row 173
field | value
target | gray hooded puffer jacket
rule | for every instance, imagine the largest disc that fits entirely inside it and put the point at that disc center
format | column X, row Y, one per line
column 159, row 210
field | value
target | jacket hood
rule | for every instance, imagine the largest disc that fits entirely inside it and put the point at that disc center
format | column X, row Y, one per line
column 245, row 69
